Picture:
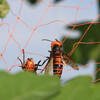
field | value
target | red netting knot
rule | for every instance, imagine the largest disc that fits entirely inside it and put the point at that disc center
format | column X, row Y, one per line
column 22, row 0
column 22, row 50
column 34, row 29
column 49, row 5
column 74, row 26
column 18, row 17
column 77, row 8
column 10, row 35
column 1, row 55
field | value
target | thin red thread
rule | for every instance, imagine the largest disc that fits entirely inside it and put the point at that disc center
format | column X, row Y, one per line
column 82, row 66
column 84, row 43
column 20, row 7
column 5, row 63
column 77, row 11
column 68, row 34
column 83, row 36
column 36, row 54
column 55, row 21
column 26, row 24
column 43, row 2
column 96, row 80
column 96, row 72
column 74, row 7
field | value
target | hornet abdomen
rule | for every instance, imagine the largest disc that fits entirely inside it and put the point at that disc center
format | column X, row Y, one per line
column 57, row 64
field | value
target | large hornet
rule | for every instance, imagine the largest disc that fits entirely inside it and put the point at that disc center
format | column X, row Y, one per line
column 58, row 59
column 29, row 64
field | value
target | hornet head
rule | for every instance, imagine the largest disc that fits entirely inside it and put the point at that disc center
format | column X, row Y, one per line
column 56, row 46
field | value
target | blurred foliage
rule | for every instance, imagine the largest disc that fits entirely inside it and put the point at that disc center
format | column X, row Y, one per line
column 56, row 1
column 35, row 1
column 32, row 1
column 27, row 86
column 86, row 52
column 80, row 88
column 4, row 8
column 99, row 6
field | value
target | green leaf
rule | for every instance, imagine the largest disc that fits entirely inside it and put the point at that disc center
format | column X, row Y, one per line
column 80, row 88
column 94, row 53
column 32, row 1
column 36, row 1
column 2, row 1
column 56, row 1
column 4, row 8
column 27, row 86
column 97, row 68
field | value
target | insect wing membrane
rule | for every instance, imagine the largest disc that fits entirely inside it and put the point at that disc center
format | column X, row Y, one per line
column 49, row 67
column 69, row 61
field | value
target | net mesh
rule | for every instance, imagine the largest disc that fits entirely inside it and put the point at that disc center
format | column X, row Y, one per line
column 8, row 31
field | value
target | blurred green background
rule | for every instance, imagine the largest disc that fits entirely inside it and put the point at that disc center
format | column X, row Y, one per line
column 28, row 86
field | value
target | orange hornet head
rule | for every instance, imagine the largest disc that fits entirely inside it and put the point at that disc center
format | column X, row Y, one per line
column 55, row 45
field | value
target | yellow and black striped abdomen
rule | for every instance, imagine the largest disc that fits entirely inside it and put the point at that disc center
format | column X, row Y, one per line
column 57, row 65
